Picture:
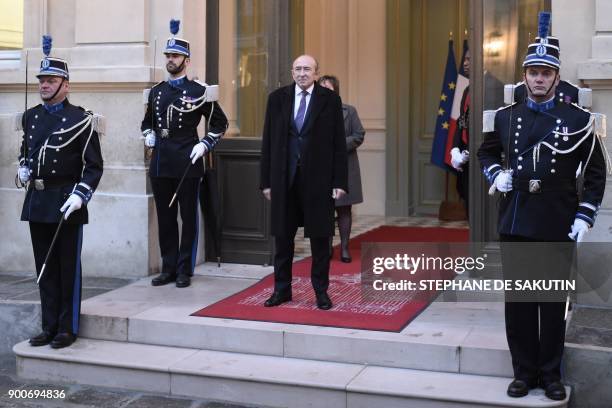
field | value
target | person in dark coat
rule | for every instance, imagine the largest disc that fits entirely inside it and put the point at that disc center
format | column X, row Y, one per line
column 60, row 166
column 174, row 110
column 355, row 133
column 460, row 155
column 303, row 169
column 544, row 142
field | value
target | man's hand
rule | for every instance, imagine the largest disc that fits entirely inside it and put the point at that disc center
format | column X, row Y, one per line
column 267, row 192
column 458, row 159
column 579, row 229
column 503, row 181
column 149, row 140
column 73, row 203
column 23, row 173
column 197, row 152
column 338, row 193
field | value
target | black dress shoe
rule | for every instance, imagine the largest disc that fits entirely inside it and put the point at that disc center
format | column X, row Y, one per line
column 163, row 279
column 182, row 281
column 62, row 340
column 518, row 388
column 345, row 256
column 41, row 339
column 323, row 301
column 277, row 298
column 555, row 391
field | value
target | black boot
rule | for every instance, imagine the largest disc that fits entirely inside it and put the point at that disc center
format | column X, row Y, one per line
column 344, row 226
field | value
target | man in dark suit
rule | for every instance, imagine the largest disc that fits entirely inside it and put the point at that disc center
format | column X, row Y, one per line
column 174, row 110
column 303, row 169
column 60, row 165
column 543, row 140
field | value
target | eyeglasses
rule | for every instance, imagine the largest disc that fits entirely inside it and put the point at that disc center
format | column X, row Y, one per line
column 302, row 69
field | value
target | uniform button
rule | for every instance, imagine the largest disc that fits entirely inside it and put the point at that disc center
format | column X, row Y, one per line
column 520, row 167
column 59, row 138
column 53, row 171
column 57, row 150
column 184, row 92
column 30, row 136
column 519, row 127
column 554, row 153
column 553, row 171
column 180, row 119
column 560, row 93
column 520, row 158
column 517, row 134
column 556, row 144
column 35, row 116
column 63, row 119
column 180, row 126
column 553, row 160
column 557, row 128
column 515, row 150
column 556, row 136
column 31, row 160
column 516, row 142
column 558, row 120
column 180, row 113
column 159, row 93
column 54, row 160
column 565, row 138
column 519, row 120
column 33, row 126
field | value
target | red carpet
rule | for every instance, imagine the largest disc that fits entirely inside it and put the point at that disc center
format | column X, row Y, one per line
column 350, row 309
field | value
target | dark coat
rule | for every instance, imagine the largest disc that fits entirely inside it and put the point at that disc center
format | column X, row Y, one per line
column 354, row 138
column 323, row 158
column 549, row 214
column 171, row 154
column 70, row 161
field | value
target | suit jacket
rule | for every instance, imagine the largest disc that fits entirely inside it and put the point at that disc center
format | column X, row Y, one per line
column 323, row 158
column 179, row 109
column 525, row 136
column 62, row 149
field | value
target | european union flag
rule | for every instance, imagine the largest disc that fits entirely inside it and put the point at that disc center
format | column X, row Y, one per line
column 443, row 120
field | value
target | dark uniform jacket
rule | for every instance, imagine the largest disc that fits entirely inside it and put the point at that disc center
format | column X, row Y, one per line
column 62, row 150
column 174, row 112
column 323, row 158
column 545, row 199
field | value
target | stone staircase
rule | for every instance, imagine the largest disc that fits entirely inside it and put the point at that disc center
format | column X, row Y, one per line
column 143, row 338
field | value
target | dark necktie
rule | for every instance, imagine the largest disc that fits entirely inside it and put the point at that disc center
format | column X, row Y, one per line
column 299, row 118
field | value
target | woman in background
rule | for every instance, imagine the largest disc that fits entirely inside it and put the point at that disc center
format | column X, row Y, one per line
column 354, row 138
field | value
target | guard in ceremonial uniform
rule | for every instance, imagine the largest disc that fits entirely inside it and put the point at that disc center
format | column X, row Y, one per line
column 174, row 110
column 60, row 165
column 545, row 143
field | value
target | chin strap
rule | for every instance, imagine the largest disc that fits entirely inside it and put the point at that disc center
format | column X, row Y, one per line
column 57, row 90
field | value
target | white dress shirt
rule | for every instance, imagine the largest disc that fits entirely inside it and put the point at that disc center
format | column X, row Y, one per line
column 298, row 99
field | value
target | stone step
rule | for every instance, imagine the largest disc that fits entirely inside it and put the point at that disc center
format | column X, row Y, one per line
column 262, row 380
column 422, row 346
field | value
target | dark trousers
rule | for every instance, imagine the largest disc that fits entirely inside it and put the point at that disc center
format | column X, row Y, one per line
column 285, row 245
column 535, row 330
column 60, row 286
column 177, row 258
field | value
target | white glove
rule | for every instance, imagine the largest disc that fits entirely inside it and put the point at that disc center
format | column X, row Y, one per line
column 149, row 138
column 458, row 159
column 503, row 181
column 24, row 174
column 579, row 228
column 73, row 203
column 198, row 151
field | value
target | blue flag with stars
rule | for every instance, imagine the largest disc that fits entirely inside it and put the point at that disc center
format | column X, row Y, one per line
column 443, row 115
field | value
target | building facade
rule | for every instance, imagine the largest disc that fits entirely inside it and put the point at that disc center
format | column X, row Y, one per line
column 388, row 54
